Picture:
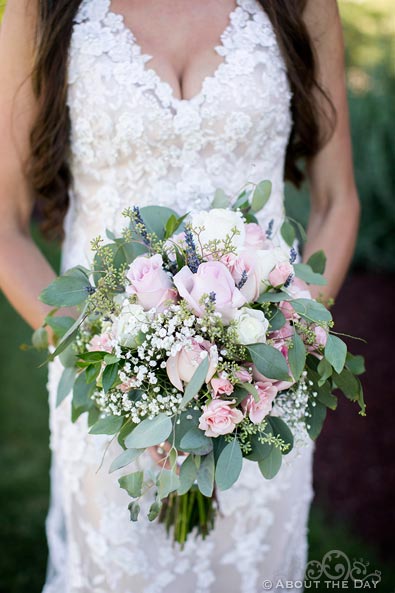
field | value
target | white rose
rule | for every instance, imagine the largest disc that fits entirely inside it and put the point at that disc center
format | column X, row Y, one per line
column 251, row 326
column 218, row 223
column 128, row 324
column 266, row 260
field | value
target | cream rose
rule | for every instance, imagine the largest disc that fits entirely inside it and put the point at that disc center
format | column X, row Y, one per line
column 218, row 223
column 251, row 326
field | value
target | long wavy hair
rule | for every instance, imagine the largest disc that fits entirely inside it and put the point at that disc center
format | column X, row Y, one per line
column 50, row 135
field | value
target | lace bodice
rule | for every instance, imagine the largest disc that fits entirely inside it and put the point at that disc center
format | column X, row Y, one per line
column 134, row 142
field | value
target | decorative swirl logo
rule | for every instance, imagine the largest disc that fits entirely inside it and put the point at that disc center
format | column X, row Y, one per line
column 337, row 566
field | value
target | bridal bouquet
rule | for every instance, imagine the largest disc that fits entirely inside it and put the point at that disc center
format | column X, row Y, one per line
column 198, row 335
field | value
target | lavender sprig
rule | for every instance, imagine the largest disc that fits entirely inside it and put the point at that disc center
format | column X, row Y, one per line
column 192, row 256
column 243, row 279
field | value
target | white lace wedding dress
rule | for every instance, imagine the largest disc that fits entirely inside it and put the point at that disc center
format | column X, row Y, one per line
column 133, row 142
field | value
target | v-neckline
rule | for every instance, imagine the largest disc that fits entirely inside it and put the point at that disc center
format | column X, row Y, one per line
column 160, row 82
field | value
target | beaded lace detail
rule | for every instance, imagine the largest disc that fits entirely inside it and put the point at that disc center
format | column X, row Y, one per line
column 134, row 142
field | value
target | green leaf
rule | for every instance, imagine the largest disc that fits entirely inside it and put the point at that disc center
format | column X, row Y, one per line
column 317, row 262
column 183, row 423
column 335, row 352
column 195, row 441
column 269, row 361
column 277, row 321
column 110, row 375
column 305, row 272
column 154, row 510
column 347, row 383
column 220, row 200
column 324, row 370
column 134, row 509
column 326, row 397
column 168, row 481
column 251, row 389
column 155, row 219
column 288, row 232
column 229, row 465
column 149, row 432
column 297, row 356
column 282, row 430
column 316, row 418
column 65, row 384
column 270, row 466
column 205, row 475
column 132, row 483
column 59, row 325
column 66, row 291
column 40, row 339
column 261, row 195
column 195, row 384
column 311, row 310
column 125, row 458
column 188, row 473
column 69, row 336
column 260, row 450
column 107, row 425
column 173, row 224
column 92, row 372
column 82, row 392
column 274, row 297
column 356, row 364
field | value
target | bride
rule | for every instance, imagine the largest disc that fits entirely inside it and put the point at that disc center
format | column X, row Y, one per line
column 104, row 104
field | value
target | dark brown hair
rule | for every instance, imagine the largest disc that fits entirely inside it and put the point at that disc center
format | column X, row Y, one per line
column 50, row 136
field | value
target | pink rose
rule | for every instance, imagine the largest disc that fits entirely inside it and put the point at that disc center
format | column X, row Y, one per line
column 149, row 282
column 221, row 386
column 245, row 262
column 101, row 343
column 321, row 336
column 255, row 236
column 182, row 366
column 288, row 311
column 243, row 376
column 211, row 277
column 219, row 418
column 127, row 384
column 257, row 411
column 280, row 273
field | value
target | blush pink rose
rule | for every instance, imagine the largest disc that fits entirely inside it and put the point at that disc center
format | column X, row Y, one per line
column 280, row 273
column 288, row 311
column 243, row 376
column 219, row 418
column 181, row 367
column 211, row 277
column 299, row 289
column 245, row 262
column 101, row 343
column 255, row 236
column 149, row 282
column 221, row 386
column 257, row 411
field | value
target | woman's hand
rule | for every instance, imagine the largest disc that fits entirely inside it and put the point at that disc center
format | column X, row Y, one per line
column 160, row 454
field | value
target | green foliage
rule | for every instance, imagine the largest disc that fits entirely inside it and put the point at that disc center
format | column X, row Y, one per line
column 150, row 432
column 269, row 361
column 229, row 465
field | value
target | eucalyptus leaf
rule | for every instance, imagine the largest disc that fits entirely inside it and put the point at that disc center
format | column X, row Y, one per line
column 335, row 352
column 188, row 473
column 65, row 384
column 269, row 361
column 195, row 441
column 261, row 195
column 66, row 291
column 154, row 510
column 355, row 363
column 134, row 509
column 220, row 200
column 311, row 310
column 168, row 481
column 229, row 465
column 107, row 425
column 260, row 450
column 205, row 475
column 316, row 418
column 288, row 232
column 270, row 465
column 40, row 339
column 196, row 382
column 281, row 429
column 274, row 297
column 297, row 356
column 132, row 483
column 110, row 375
column 317, row 262
column 125, row 458
column 305, row 272
column 82, row 392
column 277, row 321
column 324, row 370
column 155, row 219
column 149, row 432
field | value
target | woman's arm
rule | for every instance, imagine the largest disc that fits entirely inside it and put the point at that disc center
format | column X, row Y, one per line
column 334, row 216
column 24, row 271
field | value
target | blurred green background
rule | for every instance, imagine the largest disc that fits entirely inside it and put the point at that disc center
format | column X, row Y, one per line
column 24, row 457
